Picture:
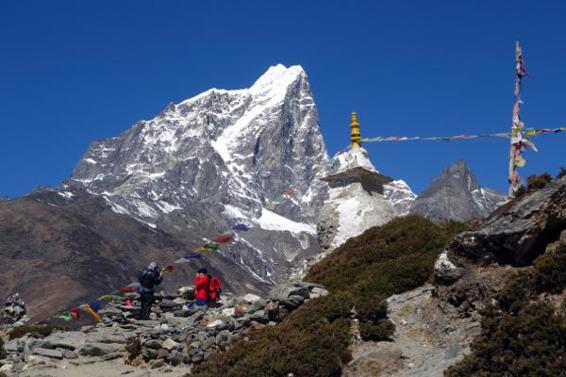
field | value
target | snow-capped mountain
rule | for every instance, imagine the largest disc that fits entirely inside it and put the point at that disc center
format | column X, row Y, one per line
column 457, row 195
column 220, row 158
column 400, row 195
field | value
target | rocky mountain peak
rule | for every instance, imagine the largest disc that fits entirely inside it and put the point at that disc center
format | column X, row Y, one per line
column 457, row 176
column 278, row 77
column 221, row 157
column 456, row 195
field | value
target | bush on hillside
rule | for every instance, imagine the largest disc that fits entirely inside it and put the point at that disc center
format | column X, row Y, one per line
column 306, row 344
column 313, row 340
column 536, row 182
column 520, row 336
column 561, row 172
column 521, row 191
column 529, row 343
column 381, row 330
column 550, row 270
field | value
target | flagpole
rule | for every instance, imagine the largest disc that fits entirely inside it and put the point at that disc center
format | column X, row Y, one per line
column 517, row 126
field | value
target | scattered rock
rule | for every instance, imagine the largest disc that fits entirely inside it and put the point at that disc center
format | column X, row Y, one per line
column 445, row 271
column 177, row 334
column 98, row 349
column 52, row 354
column 284, row 291
column 169, row 344
column 251, row 298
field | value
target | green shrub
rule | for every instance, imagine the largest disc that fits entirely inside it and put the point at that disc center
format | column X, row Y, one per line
column 531, row 342
column 382, row 330
column 536, row 182
column 516, row 292
column 521, row 191
column 304, row 344
column 550, row 270
column 313, row 340
column 521, row 336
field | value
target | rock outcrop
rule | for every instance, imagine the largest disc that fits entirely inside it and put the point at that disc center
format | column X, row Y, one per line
column 519, row 231
column 430, row 335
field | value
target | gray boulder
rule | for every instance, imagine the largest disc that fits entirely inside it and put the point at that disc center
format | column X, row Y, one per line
column 292, row 302
column 519, row 231
column 284, row 291
column 99, row 349
column 52, row 354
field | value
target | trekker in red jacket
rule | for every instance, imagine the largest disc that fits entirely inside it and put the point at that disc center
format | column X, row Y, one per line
column 201, row 288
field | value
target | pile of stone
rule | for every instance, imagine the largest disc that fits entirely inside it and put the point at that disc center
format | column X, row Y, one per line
column 14, row 311
column 178, row 333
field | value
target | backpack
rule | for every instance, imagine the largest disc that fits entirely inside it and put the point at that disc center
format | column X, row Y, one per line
column 214, row 288
column 148, row 278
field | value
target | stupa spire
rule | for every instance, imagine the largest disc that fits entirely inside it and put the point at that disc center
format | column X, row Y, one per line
column 355, row 136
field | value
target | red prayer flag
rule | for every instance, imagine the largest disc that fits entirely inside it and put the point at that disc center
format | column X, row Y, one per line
column 289, row 192
column 74, row 312
column 169, row 268
column 223, row 238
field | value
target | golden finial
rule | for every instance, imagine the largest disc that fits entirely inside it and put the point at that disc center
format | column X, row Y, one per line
column 355, row 131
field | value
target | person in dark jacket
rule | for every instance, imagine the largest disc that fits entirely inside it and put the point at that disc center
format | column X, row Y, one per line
column 149, row 278
column 201, row 288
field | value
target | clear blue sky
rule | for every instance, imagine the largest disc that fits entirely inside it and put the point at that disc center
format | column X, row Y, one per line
column 74, row 71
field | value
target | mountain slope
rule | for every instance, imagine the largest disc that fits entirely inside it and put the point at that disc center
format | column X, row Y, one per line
column 60, row 249
column 220, row 158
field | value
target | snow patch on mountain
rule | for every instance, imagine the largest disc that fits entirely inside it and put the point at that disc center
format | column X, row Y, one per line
column 272, row 221
column 400, row 195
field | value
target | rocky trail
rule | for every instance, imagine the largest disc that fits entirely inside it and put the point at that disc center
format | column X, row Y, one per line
column 430, row 335
column 178, row 337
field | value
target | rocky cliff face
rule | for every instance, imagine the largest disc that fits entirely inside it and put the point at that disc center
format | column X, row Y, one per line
column 221, row 158
column 519, row 231
column 400, row 196
column 456, row 195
